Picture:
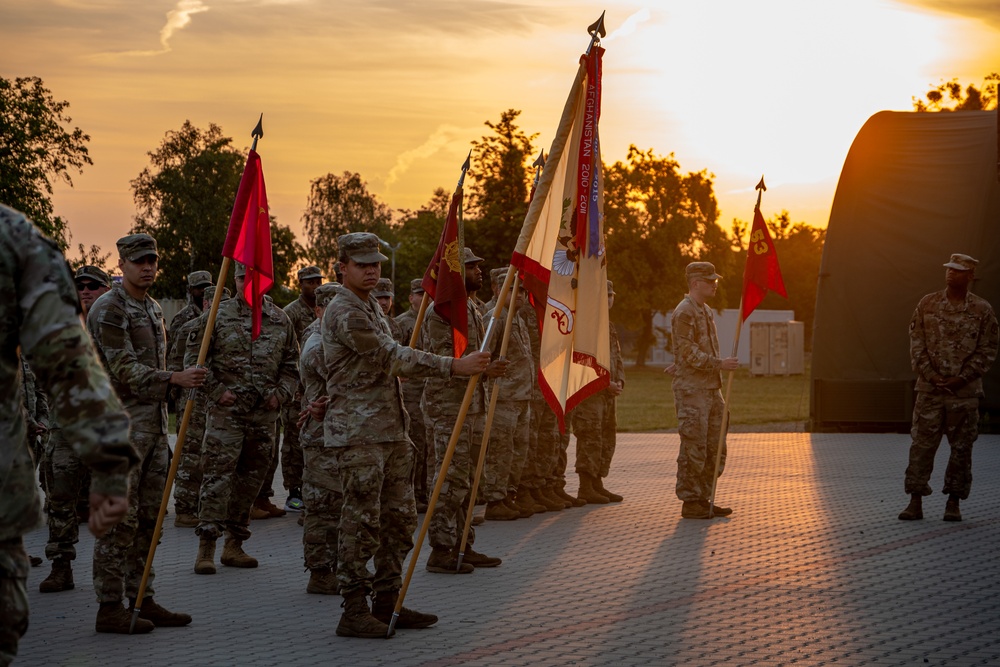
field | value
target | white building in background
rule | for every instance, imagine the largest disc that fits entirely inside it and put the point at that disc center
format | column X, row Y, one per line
column 725, row 324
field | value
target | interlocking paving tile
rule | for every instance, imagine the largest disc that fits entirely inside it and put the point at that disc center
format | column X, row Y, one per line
column 813, row 568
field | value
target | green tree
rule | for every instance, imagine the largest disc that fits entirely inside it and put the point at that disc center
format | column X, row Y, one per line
column 500, row 178
column 36, row 150
column 418, row 233
column 657, row 220
column 950, row 96
column 184, row 199
column 339, row 205
column 92, row 257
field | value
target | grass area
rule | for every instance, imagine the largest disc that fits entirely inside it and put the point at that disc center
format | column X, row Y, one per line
column 647, row 404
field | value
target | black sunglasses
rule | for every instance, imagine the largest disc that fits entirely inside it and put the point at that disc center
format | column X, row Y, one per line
column 88, row 285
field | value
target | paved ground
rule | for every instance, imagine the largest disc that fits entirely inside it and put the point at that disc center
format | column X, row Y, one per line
column 813, row 568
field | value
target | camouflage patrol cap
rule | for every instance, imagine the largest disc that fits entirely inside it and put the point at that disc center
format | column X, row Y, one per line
column 325, row 293
column 470, row 257
column 210, row 293
column 701, row 270
column 961, row 262
column 383, row 288
column 498, row 275
column 240, row 270
column 136, row 246
column 362, row 247
column 417, row 286
column 93, row 273
column 309, row 272
column 199, row 279
column 611, row 288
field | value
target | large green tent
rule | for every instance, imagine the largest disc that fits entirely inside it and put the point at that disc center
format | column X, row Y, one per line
column 915, row 188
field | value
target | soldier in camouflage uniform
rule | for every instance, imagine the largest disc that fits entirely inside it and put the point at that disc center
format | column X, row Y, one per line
column 509, row 434
column 187, row 482
column 198, row 282
column 127, row 327
column 64, row 476
column 595, row 423
column 302, row 313
column 440, row 404
column 697, row 396
column 384, row 294
column 953, row 343
column 248, row 382
column 321, row 488
column 366, row 423
column 413, row 389
column 42, row 317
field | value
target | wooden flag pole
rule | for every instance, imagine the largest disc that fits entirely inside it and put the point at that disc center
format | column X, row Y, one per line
column 179, row 445
column 481, row 464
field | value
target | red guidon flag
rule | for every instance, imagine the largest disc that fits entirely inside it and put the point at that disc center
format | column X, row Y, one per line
column 444, row 280
column 561, row 252
column 761, row 272
column 248, row 240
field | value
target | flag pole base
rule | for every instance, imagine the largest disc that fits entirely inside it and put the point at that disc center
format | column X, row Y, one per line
column 135, row 617
column 392, row 624
column 461, row 555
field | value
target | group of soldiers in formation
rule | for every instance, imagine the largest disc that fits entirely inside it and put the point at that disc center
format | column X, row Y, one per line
column 364, row 421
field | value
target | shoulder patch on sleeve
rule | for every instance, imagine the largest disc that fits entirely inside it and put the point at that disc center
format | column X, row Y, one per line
column 112, row 316
column 358, row 322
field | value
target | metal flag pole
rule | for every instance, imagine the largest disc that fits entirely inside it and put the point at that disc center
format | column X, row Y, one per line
column 206, row 339
column 729, row 385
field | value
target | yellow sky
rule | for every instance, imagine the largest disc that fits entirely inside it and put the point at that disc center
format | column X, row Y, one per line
column 396, row 90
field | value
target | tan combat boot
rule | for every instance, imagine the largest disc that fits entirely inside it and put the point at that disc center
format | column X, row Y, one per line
column 234, row 556
column 323, row 581
column 913, row 511
column 113, row 617
column 60, row 579
column 384, row 604
column 205, row 562
column 589, row 493
column 357, row 619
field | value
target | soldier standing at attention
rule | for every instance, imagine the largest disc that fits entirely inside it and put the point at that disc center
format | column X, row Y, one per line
column 413, row 389
column 127, row 327
column 595, row 423
column 65, row 476
column 38, row 300
column 321, row 489
column 384, row 294
column 187, row 482
column 198, row 282
column 248, row 382
column 302, row 313
column 697, row 392
column 953, row 343
column 441, row 402
column 366, row 423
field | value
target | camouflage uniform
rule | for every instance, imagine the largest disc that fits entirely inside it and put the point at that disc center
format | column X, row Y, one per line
column 131, row 339
column 440, row 403
column 301, row 314
column 239, row 439
column 697, row 398
column 544, row 438
column 413, row 390
column 367, row 424
column 187, row 481
column 595, row 421
column 948, row 340
column 509, row 433
column 40, row 311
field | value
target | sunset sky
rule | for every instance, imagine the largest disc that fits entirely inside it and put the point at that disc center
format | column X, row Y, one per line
column 396, row 91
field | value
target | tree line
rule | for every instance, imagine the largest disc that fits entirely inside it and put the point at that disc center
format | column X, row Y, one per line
column 658, row 216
